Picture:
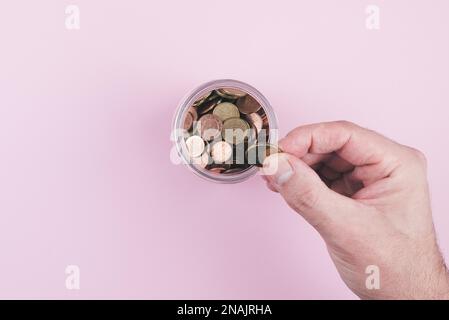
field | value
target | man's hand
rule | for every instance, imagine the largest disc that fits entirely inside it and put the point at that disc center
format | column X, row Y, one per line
column 368, row 198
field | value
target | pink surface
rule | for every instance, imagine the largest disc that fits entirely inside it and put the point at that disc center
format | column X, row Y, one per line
column 85, row 120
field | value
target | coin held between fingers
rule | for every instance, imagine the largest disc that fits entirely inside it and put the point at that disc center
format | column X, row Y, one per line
column 257, row 153
column 277, row 168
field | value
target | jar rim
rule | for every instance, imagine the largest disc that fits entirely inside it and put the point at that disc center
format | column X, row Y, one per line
column 188, row 101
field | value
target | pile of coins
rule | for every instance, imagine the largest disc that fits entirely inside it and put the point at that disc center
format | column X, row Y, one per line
column 227, row 131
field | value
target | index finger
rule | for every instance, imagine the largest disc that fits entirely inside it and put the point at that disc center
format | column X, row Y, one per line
column 357, row 145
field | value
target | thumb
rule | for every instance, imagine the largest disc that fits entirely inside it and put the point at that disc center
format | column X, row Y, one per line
column 305, row 192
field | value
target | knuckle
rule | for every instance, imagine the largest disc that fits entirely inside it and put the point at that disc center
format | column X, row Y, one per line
column 307, row 204
column 419, row 155
column 345, row 123
column 415, row 159
column 307, row 199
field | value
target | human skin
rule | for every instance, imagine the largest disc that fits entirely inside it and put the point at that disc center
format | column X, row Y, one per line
column 368, row 198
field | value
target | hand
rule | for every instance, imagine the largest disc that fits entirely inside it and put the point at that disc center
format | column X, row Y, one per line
column 368, row 198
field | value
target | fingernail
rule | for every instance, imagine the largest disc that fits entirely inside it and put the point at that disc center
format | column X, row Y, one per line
column 278, row 168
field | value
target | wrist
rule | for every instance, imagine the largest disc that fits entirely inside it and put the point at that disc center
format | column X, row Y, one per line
column 441, row 283
column 437, row 278
column 431, row 278
column 445, row 284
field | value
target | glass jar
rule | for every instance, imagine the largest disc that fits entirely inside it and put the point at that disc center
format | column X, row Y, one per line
column 178, row 133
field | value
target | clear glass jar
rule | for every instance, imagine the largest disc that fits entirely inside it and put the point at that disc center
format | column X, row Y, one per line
column 195, row 95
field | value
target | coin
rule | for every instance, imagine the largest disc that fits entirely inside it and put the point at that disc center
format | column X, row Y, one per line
column 208, row 105
column 256, row 123
column 202, row 98
column 219, row 167
column 230, row 132
column 203, row 161
column 209, row 127
column 265, row 122
column 221, row 151
column 257, row 153
column 233, row 170
column 226, row 110
column 230, row 93
column 188, row 121
column 217, row 170
column 235, row 130
column 194, row 114
column 263, row 115
column 256, row 120
column 213, row 95
column 206, row 159
column 195, row 146
column 247, row 104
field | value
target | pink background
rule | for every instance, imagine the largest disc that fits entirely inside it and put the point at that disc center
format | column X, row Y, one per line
column 85, row 120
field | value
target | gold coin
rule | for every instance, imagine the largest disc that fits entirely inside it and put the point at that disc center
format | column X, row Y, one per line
column 221, row 152
column 247, row 104
column 257, row 153
column 230, row 93
column 235, row 130
column 226, row 110
column 195, row 146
